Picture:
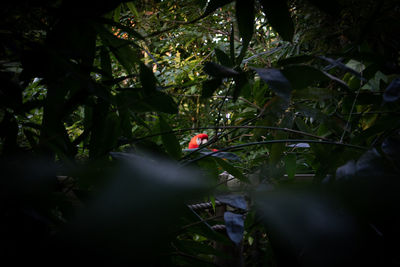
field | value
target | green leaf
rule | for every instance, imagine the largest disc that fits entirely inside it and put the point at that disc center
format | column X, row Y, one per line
column 126, row 223
column 223, row 58
column 132, row 8
column 314, row 93
column 232, row 170
column 105, row 63
column 295, row 60
column 302, row 76
column 147, row 79
column 245, row 19
column 169, row 140
column 290, row 165
column 117, row 13
column 209, row 87
column 209, row 167
column 277, row 13
column 302, row 125
column 276, row 81
column 121, row 49
column 240, row 82
column 157, row 101
column 216, row 70
column 105, row 134
column 162, row 102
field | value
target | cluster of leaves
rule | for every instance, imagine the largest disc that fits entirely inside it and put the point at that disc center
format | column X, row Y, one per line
column 99, row 102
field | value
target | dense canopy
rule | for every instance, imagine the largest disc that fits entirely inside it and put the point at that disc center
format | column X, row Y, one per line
column 299, row 100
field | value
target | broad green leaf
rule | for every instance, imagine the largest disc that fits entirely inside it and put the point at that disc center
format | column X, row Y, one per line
column 245, row 19
column 147, row 79
column 302, row 76
column 290, row 217
column 216, row 70
column 314, row 93
column 121, row 49
column 276, row 81
column 105, row 133
column 133, row 9
column 209, row 87
column 278, row 16
column 169, row 140
column 290, row 165
column 232, row 170
column 302, row 125
column 295, row 60
column 161, row 102
column 105, row 63
column 240, row 82
column 209, row 167
column 157, row 101
column 223, row 58
column 126, row 223
column 117, row 13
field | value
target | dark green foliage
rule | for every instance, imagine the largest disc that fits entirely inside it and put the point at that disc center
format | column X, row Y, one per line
column 277, row 13
column 96, row 99
column 276, row 81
